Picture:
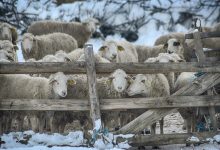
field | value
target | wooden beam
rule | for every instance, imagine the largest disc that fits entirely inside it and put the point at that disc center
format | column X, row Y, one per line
column 203, row 35
column 91, row 78
column 166, row 139
column 198, row 86
column 130, row 68
column 198, row 47
column 110, row 104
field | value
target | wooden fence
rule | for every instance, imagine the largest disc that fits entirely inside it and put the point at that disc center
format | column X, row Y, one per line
column 159, row 107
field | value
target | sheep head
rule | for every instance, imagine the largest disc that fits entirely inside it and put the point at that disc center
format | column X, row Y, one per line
column 59, row 84
column 110, row 50
column 27, row 42
column 119, row 79
column 174, row 46
column 138, row 85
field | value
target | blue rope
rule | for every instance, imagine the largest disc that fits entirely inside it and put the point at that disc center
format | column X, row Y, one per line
column 104, row 131
column 200, row 127
column 198, row 74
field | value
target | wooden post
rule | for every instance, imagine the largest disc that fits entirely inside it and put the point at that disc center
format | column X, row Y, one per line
column 149, row 117
column 198, row 47
column 212, row 113
column 91, row 78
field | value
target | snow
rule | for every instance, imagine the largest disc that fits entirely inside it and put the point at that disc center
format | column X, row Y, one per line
column 217, row 138
column 98, row 124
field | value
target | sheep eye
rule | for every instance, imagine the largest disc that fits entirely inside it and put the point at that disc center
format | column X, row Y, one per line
column 176, row 43
column 165, row 45
column 143, row 81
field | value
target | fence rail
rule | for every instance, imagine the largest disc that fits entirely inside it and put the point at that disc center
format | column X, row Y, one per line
column 110, row 104
column 130, row 68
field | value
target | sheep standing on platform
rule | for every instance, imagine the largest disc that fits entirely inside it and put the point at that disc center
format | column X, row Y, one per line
column 39, row 46
column 80, row 31
column 8, row 32
column 150, row 85
column 27, row 87
column 119, row 52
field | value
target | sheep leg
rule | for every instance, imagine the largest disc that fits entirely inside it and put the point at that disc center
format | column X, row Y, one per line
column 161, row 125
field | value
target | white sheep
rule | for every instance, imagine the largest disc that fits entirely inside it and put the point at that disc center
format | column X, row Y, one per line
column 62, row 56
column 75, row 54
column 145, row 52
column 113, row 86
column 5, row 56
column 121, row 51
column 80, row 31
column 7, row 46
column 8, row 32
column 165, row 58
column 27, row 87
column 39, row 46
column 98, row 58
column 149, row 85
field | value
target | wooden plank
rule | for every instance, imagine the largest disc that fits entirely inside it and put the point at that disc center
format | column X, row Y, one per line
column 203, row 35
column 196, row 88
column 198, row 47
column 91, row 78
column 110, row 104
column 212, row 113
column 212, row 53
column 166, row 139
column 130, row 68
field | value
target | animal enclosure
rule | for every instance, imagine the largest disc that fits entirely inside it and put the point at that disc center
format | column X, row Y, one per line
column 188, row 96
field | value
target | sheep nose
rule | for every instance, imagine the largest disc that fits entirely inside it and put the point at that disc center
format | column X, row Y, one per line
column 114, row 55
column 64, row 93
column 119, row 87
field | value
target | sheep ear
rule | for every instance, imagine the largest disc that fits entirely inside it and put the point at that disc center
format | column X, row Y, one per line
column 102, row 48
column 14, row 34
column 120, row 48
column 165, row 45
column 71, row 82
column 15, row 47
column 109, row 80
column 51, row 79
column 128, row 79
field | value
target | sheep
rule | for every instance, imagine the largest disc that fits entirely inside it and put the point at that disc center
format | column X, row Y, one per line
column 25, row 86
column 98, row 58
column 5, row 56
column 75, row 54
column 39, row 46
column 7, row 46
column 8, row 32
column 164, row 38
column 62, row 56
column 165, row 58
column 113, row 86
column 149, row 85
column 145, row 52
column 121, row 51
column 80, row 31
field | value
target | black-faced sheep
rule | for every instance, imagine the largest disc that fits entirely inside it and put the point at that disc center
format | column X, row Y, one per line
column 80, row 31
column 39, row 46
